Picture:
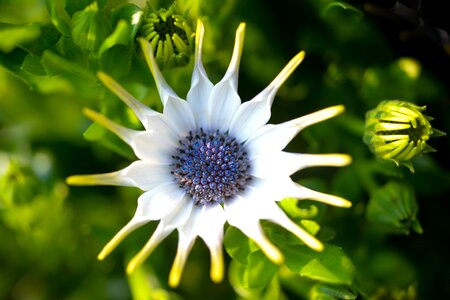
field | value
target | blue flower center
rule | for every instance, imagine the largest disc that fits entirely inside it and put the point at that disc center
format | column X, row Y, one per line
column 211, row 166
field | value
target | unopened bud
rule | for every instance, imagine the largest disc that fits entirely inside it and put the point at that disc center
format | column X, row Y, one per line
column 170, row 35
column 398, row 131
column 90, row 27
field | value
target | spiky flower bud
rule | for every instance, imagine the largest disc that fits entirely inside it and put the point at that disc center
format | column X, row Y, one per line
column 170, row 35
column 398, row 131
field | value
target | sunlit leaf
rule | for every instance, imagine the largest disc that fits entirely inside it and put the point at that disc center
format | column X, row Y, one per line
column 259, row 270
column 12, row 36
column 238, row 245
column 321, row 291
column 331, row 265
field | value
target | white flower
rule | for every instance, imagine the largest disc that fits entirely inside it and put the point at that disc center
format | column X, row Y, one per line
column 210, row 160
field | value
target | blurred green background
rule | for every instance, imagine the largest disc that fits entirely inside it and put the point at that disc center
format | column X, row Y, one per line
column 358, row 53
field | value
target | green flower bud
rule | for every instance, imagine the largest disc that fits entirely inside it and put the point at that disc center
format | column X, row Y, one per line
column 170, row 35
column 398, row 130
column 395, row 207
column 90, row 27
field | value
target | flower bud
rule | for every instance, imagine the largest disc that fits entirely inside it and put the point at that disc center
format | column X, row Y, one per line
column 394, row 206
column 170, row 35
column 90, row 27
column 398, row 130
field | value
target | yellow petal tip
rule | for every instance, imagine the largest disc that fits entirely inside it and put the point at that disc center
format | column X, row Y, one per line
column 105, row 251
column 275, row 256
column 216, row 273
column 300, row 56
column 131, row 267
column 318, row 247
column 174, row 279
column 216, row 277
column 278, row 260
column 345, row 159
column 80, row 180
column 199, row 24
column 338, row 109
column 346, row 204
column 91, row 114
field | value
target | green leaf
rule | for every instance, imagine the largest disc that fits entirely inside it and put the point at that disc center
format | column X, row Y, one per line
column 120, row 36
column 250, row 284
column 54, row 64
column 32, row 64
column 144, row 285
column 259, row 271
column 59, row 16
column 12, row 36
column 343, row 6
column 49, row 36
column 97, row 133
column 331, row 265
column 116, row 61
column 13, row 61
column 238, row 245
column 290, row 206
column 321, row 291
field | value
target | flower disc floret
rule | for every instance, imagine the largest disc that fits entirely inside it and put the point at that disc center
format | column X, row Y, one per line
column 211, row 166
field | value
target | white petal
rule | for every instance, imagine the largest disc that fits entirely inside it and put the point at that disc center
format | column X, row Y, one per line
column 122, row 234
column 233, row 69
column 151, row 146
column 270, row 138
column 157, row 237
column 181, row 215
column 223, row 103
column 268, row 210
column 165, row 91
column 271, row 188
column 159, row 202
column 147, row 176
column 160, row 124
column 272, row 165
column 201, row 86
column 186, row 238
column 179, row 115
column 241, row 214
column 142, row 111
column 139, row 174
column 154, row 148
column 183, row 250
column 210, row 229
column 175, row 219
column 224, row 99
column 297, row 191
column 126, row 134
column 255, row 113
